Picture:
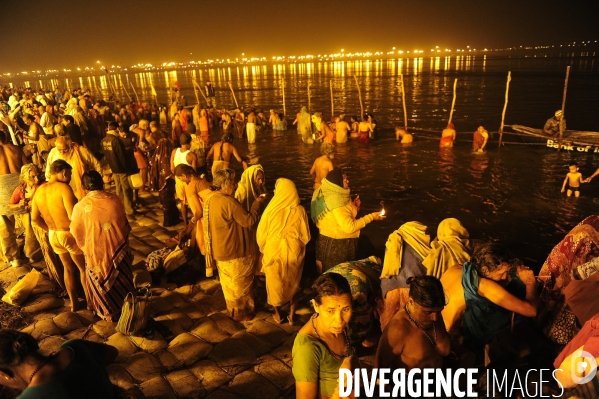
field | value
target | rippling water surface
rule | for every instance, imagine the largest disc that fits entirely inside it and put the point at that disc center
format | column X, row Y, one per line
column 512, row 194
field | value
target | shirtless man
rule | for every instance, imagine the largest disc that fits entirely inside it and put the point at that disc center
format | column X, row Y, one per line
column 11, row 161
column 272, row 119
column 51, row 210
column 33, row 135
column 327, row 135
column 322, row 165
column 251, row 128
column 342, row 129
column 240, row 123
column 226, row 121
column 484, row 279
column 416, row 336
column 447, row 136
column 403, row 135
column 222, row 154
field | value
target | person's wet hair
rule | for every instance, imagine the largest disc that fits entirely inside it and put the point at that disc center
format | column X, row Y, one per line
column 183, row 169
column 59, row 166
column 330, row 284
column 492, row 255
column 92, row 181
column 227, row 138
column 427, row 291
column 573, row 164
column 113, row 125
column 15, row 347
column 184, row 139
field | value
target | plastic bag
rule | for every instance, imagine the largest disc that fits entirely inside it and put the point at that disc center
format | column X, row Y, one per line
column 18, row 294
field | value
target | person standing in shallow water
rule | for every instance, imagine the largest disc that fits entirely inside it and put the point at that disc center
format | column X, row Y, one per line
column 481, row 136
column 322, row 165
column 365, row 129
column 447, row 136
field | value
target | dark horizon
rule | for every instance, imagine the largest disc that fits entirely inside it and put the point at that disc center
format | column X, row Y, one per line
column 59, row 35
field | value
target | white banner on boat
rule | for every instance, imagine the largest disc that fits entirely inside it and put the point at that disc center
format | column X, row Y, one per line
column 571, row 147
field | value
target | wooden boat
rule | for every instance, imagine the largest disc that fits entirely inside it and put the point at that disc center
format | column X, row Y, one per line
column 572, row 140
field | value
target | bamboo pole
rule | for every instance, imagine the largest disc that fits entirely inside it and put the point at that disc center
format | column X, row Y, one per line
column 231, row 87
column 154, row 94
column 507, row 90
column 561, row 122
column 455, row 83
column 200, row 90
column 126, row 92
column 195, row 92
column 360, row 97
column 134, row 91
column 403, row 101
column 332, row 102
column 98, row 90
column 283, row 86
column 309, row 103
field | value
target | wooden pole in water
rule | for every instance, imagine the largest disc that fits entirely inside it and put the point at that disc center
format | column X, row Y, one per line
column 201, row 92
column 455, row 83
column 126, row 92
column 561, row 123
column 283, row 86
column 309, row 111
column 231, row 87
column 403, row 101
column 360, row 97
column 134, row 91
column 195, row 92
column 332, row 102
column 507, row 90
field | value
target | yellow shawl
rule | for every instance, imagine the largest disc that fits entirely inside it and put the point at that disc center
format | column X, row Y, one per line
column 411, row 233
column 451, row 248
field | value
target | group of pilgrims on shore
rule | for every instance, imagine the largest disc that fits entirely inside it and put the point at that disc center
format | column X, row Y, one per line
column 438, row 298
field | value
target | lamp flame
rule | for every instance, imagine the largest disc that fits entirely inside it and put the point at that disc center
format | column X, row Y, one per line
column 382, row 212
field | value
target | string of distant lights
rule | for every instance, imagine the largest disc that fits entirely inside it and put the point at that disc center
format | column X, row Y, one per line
column 303, row 58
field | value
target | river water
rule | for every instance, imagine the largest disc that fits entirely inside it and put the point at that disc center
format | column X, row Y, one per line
column 510, row 194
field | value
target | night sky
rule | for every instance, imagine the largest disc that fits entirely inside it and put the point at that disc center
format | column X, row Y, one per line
column 68, row 33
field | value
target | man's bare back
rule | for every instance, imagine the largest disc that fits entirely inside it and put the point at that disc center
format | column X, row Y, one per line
column 321, row 167
column 57, row 216
column 342, row 129
column 11, row 159
column 252, row 118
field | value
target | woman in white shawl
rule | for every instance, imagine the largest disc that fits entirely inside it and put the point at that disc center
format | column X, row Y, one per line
column 250, row 186
column 282, row 236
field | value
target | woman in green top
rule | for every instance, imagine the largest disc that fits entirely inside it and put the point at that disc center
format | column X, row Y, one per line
column 76, row 371
column 322, row 345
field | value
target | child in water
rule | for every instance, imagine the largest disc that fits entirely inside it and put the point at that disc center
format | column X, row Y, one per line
column 573, row 179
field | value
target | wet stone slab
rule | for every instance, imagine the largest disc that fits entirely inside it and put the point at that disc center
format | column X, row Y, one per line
column 211, row 355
